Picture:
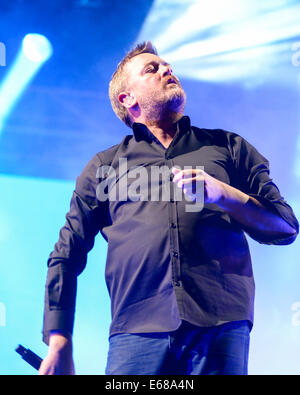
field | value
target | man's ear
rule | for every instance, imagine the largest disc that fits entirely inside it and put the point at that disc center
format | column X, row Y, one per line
column 126, row 99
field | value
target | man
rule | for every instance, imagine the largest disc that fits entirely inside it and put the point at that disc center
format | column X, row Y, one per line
column 180, row 280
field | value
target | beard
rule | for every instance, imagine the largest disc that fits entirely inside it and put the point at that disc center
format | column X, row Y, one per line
column 171, row 100
column 176, row 98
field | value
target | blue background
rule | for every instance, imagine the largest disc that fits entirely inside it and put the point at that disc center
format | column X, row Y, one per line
column 250, row 86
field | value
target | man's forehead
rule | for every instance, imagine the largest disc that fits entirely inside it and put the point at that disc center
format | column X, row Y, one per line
column 142, row 59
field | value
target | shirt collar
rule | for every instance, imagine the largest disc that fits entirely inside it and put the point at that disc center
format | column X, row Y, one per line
column 141, row 132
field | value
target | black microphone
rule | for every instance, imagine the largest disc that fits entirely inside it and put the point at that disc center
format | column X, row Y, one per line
column 29, row 356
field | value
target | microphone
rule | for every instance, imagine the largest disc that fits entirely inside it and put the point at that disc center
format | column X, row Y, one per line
column 29, row 356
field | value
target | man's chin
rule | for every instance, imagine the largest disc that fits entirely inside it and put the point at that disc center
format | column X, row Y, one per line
column 177, row 99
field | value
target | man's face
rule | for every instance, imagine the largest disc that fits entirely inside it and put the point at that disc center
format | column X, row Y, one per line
column 151, row 82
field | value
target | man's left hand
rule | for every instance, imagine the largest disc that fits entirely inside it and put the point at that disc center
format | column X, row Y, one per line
column 196, row 182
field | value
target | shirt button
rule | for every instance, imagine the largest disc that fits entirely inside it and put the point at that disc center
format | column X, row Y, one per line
column 175, row 254
column 173, row 225
column 177, row 283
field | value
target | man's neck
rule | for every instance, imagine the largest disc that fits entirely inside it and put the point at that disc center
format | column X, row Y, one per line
column 164, row 130
column 163, row 134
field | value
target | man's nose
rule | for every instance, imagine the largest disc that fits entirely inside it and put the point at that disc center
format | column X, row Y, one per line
column 166, row 70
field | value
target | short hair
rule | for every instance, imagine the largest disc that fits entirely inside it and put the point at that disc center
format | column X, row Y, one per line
column 118, row 81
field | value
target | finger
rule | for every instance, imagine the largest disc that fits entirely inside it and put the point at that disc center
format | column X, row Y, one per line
column 190, row 182
column 191, row 172
column 176, row 174
column 186, row 174
column 180, row 177
column 191, row 189
column 175, row 170
column 192, row 196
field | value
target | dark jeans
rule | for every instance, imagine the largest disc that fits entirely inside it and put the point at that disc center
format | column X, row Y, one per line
column 192, row 350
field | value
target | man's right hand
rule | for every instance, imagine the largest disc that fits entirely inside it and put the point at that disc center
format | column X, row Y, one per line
column 59, row 360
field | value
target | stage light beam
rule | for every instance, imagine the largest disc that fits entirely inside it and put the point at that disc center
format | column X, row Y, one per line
column 223, row 41
column 36, row 49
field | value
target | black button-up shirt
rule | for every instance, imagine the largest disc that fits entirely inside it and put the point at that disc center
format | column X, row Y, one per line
column 165, row 261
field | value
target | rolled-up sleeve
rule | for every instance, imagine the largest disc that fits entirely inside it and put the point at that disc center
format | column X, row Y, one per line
column 253, row 174
column 68, row 259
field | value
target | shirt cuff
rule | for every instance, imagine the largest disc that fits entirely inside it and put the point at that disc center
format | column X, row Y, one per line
column 283, row 210
column 58, row 321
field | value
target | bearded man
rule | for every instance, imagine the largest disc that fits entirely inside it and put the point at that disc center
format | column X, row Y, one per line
column 180, row 280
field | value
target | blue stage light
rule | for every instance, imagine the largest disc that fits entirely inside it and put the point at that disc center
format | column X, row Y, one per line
column 35, row 51
column 224, row 41
column 36, row 47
